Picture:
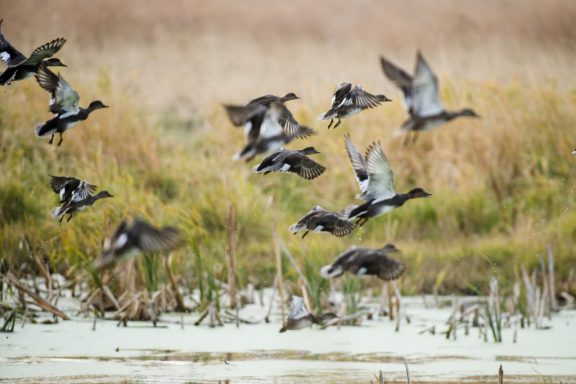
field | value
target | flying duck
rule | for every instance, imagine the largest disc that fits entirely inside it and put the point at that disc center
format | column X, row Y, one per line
column 262, row 128
column 64, row 104
column 366, row 261
column 421, row 98
column 71, row 188
column 319, row 219
column 75, row 204
column 349, row 100
column 21, row 67
column 292, row 161
column 376, row 182
column 300, row 318
column 133, row 238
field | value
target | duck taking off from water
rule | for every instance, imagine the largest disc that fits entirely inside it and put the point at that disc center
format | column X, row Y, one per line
column 262, row 128
column 21, row 67
column 349, row 100
column 366, row 261
column 296, row 162
column 421, row 98
column 300, row 318
column 63, row 103
column 135, row 237
column 376, row 182
column 322, row 220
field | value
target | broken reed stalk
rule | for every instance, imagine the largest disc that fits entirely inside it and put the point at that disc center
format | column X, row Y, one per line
column 304, row 285
column 500, row 375
column 407, row 371
column 272, row 297
column 281, row 291
column 551, row 282
column 230, row 228
column 9, row 278
column 390, row 300
column 180, row 307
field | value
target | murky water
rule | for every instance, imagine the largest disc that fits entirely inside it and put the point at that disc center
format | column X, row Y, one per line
column 71, row 352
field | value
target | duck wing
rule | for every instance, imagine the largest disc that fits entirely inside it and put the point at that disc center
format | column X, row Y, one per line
column 152, row 239
column 57, row 182
column 83, row 191
column 426, row 101
column 64, row 98
column 46, row 50
column 400, row 78
column 297, row 308
column 379, row 264
column 342, row 95
column 264, row 100
column 362, row 99
column 358, row 164
column 380, row 177
column 291, row 126
column 304, row 166
column 9, row 55
column 342, row 225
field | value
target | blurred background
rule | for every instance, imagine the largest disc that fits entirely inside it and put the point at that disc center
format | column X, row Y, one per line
column 503, row 186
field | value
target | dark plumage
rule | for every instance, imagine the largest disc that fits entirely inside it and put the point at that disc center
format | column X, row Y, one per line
column 321, row 220
column 135, row 237
column 71, row 188
column 366, row 261
column 63, row 103
column 421, row 97
column 262, row 128
column 376, row 182
column 73, row 206
column 349, row 100
column 21, row 67
column 292, row 161
column 300, row 318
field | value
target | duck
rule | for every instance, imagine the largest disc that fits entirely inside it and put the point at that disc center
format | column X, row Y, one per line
column 300, row 318
column 138, row 236
column 366, row 262
column 64, row 104
column 376, row 181
column 348, row 101
column 285, row 118
column 319, row 219
column 421, row 98
column 21, row 67
column 263, row 131
column 71, row 188
column 74, row 205
column 296, row 161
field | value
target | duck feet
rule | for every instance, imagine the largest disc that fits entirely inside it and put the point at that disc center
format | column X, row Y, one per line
column 338, row 123
column 61, row 139
column 51, row 139
column 330, row 124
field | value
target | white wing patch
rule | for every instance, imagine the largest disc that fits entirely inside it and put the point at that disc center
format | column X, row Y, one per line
column 5, row 56
column 121, row 241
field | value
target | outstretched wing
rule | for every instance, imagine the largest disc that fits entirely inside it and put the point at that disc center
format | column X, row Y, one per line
column 46, row 50
column 297, row 308
column 9, row 55
column 358, row 164
column 362, row 99
column 57, row 182
column 305, row 166
column 342, row 95
column 380, row 177
column 64, row 98
column 400, row 78
column 152, row 239
column 426, row 101
column 290, row 125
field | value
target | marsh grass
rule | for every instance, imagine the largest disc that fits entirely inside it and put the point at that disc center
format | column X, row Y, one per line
column 502, row 185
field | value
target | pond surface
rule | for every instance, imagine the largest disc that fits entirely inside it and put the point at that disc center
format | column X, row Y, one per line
column 71, row 352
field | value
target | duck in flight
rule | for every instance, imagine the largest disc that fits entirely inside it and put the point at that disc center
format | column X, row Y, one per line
column 421, row 98
column 296, row 161
column 21, row 67
column 136, row 237
column 262, row 128
column 349, row 100
column 366, row 262
column 75, row 195
column 319, row 219
column 376, row 182
column 300, row 318
column 63, row 104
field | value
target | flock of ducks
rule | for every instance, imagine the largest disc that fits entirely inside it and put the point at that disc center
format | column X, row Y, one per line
column 268, row 126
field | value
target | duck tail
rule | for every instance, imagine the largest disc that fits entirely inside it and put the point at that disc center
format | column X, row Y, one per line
column 295, row 228
column 328, row 271
column 56, row 212
column 47, row 128
column 327, row 115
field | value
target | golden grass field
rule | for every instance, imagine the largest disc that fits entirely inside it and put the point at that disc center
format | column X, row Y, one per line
column 503, row 186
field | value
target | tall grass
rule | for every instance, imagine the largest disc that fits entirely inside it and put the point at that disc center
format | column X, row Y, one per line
column 502, row 186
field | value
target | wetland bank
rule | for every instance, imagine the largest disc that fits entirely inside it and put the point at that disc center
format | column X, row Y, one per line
column 489, row 257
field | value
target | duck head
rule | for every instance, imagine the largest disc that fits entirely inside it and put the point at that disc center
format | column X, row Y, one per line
column 418, row 192
column 468, row 112
column 97, row 104
column 54, row 62
column 103, row 194
column 290, row 96
column 309, row 151
column 390, row 248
